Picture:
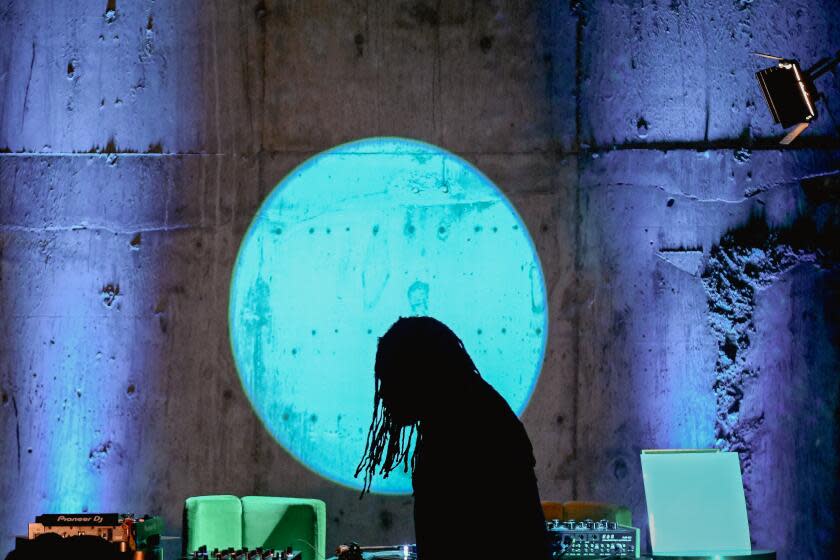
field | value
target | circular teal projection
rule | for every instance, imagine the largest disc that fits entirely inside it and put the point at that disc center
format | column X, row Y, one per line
column 348, row 242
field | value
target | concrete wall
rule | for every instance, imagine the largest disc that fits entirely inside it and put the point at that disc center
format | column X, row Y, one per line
column 690, row 263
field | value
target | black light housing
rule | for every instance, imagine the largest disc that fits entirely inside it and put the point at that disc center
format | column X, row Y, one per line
column 790, row 92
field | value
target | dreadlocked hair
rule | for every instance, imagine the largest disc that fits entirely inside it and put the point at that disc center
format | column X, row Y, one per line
column 430, row 346
column 387, row 438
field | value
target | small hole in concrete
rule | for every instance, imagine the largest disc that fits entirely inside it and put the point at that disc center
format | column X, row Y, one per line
column 260, row 11
column 109, row 293
column 642, row 127
column 620, row 469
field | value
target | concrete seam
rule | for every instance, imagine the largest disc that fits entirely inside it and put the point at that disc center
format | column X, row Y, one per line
column 11, row 228
column 577, row 9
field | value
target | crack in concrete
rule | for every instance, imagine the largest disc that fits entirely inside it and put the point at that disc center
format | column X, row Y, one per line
column 28, row 82
column 759, row 189
column 17, row 430
column 681, row 194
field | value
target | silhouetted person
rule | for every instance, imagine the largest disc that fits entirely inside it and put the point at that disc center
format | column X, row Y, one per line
column 473, row 464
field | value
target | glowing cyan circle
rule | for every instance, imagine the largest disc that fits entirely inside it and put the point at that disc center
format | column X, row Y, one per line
column 352, row 239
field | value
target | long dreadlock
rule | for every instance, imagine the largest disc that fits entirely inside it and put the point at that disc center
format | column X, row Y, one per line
column 385, row 436
column 388, row 443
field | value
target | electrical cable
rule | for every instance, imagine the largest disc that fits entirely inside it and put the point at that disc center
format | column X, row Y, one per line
column 315, row 550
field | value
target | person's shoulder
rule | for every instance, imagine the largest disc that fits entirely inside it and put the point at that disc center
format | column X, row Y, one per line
column 497, row 402
column 500, row 419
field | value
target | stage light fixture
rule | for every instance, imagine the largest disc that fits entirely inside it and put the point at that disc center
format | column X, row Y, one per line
column 790, row 92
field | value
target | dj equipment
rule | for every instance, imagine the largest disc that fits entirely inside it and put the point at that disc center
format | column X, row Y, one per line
column 592, row 539
column 244, row 554
column 353, row 551
column 128, row 532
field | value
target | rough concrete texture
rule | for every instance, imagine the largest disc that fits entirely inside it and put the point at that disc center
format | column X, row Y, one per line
column 652, row 68
column 690, row 263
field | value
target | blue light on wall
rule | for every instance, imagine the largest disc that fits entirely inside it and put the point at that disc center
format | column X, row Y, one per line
column 354, row 238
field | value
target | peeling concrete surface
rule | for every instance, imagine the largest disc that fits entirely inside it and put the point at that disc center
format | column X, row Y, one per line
column 745, row 262
column 137, row 139
column 732, row 276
